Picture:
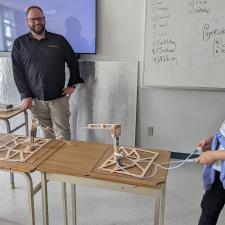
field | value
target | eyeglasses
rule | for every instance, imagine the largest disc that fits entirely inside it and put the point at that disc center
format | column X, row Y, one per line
column 38, row 19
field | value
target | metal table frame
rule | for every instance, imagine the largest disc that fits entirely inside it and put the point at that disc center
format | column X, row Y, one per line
column 31, row 191
column 9, row 130
column 8, row 127
column 157, row 192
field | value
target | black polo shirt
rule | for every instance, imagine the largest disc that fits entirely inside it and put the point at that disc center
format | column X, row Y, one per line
column 39, row 66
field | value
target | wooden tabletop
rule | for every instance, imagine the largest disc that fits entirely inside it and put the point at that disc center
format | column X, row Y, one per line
column 9, row 114
column 82, row 159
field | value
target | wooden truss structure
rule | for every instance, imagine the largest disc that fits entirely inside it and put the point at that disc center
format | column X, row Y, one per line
column 19, row 148
column 115, row 131
column 124, row 160
column 135, row 162
column 115, row 128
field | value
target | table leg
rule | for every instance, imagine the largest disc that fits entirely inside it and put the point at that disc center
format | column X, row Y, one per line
column 12, row 180
column 64, row 203
column 74, row 210
column 44, row 194
column 30, row 198
column 8, row 131
column 160, row 206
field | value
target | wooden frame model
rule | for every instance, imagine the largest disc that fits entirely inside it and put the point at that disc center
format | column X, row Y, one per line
column 115, row 128
column 19, row 148
column 115, row 131
column 129, row 161
column 135, row 162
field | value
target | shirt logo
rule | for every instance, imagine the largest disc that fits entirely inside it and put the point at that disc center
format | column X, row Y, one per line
column 53, row 46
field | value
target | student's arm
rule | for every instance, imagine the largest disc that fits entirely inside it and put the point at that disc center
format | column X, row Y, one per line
column 210, row 157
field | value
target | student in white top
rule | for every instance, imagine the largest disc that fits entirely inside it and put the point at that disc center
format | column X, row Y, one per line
column 213, row 157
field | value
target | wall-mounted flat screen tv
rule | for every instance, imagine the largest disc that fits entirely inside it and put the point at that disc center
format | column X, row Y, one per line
column 74, row 19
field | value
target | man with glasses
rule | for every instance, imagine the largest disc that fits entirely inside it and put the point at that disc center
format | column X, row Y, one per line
column 38, row 60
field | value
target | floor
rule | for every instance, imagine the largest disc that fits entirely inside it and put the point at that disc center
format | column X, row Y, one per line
column 103, row 207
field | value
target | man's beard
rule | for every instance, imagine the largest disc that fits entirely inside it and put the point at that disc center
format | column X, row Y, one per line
column 38, row 30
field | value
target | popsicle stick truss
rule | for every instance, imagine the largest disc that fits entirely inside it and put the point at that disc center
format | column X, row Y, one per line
column 136, row 162
column 114, row 127
column 18, row 148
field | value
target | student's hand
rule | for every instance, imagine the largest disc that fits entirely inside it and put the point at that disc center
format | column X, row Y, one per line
column 27, row 103
column 207, row 158
column 205, row 144
column 68, row 91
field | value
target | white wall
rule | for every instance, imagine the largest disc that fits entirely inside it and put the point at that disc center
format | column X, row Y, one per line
column 120, row 31
column 179, row 117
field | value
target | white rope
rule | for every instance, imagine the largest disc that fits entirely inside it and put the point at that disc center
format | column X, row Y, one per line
column 156, row 165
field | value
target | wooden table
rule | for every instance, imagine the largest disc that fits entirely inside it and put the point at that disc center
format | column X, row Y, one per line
column 79, row 164
column 25, row 168
column 5, row 116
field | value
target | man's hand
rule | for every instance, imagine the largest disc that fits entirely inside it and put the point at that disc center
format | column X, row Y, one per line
column 68, row 91
column 207, row 158
column 205, row 144
column 27, row 103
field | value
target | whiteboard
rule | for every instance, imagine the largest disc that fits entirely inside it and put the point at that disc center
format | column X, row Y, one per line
column 185, row 44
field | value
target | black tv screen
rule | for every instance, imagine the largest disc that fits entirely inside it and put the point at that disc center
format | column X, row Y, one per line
column 74, row 19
